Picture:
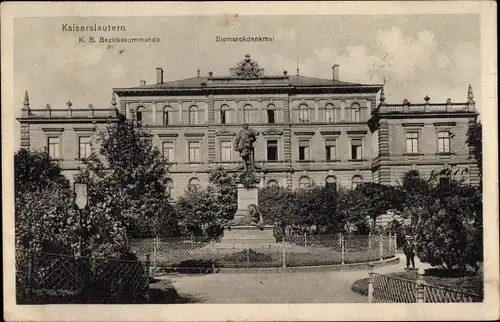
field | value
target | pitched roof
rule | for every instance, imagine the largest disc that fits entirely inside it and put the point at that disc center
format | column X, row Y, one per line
column 201, row 81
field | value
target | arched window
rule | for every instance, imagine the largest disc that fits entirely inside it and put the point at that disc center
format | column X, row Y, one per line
column 331, row 182
column 224, row 114
column 272, row 184
column 413, row 174
column 139, row 116
column 355, row 112
column 193, row 114
column 445, row 177
column 170, row 187
column 356, row 181
column 194, row 183
column 329, row 113
column 304, row 183
column 167, row 115
column 303, row 113
column 249, row 114
column 271, row 113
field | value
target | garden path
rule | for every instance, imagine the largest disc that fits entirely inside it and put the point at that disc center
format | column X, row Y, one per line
column 272, row 287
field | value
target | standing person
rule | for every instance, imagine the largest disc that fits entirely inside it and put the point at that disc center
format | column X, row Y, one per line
column 409, row 251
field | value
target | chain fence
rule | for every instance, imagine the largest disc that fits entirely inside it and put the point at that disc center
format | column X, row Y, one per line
column 201, row 254
column 390, row 289
column 45, row 278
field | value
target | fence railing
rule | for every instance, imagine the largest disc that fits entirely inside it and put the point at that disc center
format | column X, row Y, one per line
column 390, row 289
column 44, row 278
column 207, row 255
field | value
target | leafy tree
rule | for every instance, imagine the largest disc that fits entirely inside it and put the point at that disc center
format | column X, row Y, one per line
column 475, row 143
column 276, row 204
column 44, row 214
column 191, row 209
column 207, row 211
column 222, row 196
column 127, row 188
column 449, row 233
column 415, row 197
column 373, row 200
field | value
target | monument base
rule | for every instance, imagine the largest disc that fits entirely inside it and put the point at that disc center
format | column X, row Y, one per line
column 249, row 235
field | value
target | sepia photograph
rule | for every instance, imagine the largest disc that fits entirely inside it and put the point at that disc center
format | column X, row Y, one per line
column 234, row 157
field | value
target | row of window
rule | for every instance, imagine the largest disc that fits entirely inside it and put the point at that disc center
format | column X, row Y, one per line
column 304, row 150
column 54, row 147
column 304, row 183
column 412, row 142
column 250, row 114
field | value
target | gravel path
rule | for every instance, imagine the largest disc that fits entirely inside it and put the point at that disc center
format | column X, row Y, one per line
column 303, row 287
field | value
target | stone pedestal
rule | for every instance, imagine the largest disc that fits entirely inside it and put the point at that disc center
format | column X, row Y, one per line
column 241, row 232
column 249, row 235
column 246, row 197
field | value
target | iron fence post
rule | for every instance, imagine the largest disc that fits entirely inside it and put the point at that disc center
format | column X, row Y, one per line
column 305, row 239
column 420, row 287
column 342, row 250
column 154, row 254
column 148, row 263
column 283, row 252
column 370, row 284
column 381, row 247
column 29, row 277
column 212, row 254
column 248, row 255
column 390, row 244
column 369, row 240
column 395, row 243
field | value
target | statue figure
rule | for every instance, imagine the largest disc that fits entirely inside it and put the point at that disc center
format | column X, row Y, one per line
column 243, row 143
column 254, row 215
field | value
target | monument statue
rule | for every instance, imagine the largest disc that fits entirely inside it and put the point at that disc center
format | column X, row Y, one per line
column 243, row 143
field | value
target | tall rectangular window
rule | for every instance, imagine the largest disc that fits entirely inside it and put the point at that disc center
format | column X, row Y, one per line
column 444, row 142
column 168, row 151
column 54, row 147
column 225, row 151
column 412, row 142
column 272, row 150
column 356, row 149
column 194, row 152
column 304, row 150
column 84, row 150
column 330, row 150
column 270, row 116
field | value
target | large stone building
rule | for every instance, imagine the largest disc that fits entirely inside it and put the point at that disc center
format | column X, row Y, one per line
column 312, row 130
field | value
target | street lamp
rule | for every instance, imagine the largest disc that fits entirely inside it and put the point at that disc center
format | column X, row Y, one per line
column 81, row 199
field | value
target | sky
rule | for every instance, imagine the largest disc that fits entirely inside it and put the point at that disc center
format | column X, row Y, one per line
column 415, row 55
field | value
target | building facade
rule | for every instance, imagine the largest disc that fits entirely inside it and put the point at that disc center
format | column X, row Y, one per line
column 311, row 130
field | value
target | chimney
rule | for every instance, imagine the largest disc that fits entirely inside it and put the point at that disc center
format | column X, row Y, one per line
column 159, row 75
column 143, row 82
column 335, row 69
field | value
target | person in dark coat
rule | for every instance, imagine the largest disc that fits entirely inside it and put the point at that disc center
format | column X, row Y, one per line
column 409, row 251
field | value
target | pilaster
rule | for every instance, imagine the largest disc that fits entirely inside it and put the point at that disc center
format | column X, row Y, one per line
column 211, row 129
